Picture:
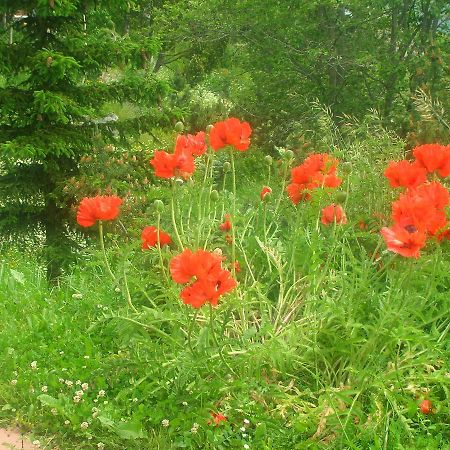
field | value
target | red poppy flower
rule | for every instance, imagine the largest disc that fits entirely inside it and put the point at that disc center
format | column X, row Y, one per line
column 434, row 157
column 318, row 170
column 193, row 144
column 150, row 237
column 406, row 241
column 208, row 289
column 101, row 207
column 264, row 191
column 200, row 264
column 217, row 418
column 426, row 407
column 406, row 174
column 230, row 132
column 168, row 165
column 226, row 226
column 422, row 207
column 333, row 213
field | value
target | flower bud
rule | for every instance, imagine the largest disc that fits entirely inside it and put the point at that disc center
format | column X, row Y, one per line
column 179, row 127
column 209, row 128
column 214, row 195
column 268, row 160
column 159, row 205
column 341, row 197
column 289, row 154
column 266, row 197
column 226, row 166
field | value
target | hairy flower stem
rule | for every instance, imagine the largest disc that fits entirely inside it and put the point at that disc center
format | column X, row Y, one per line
column 158, row 245
column 269, row 264
column 214, row 337
column 233, row 231
column 191, row 327
column 174, row 222
column 127, row 291
column 283, row 187
column 102, row 246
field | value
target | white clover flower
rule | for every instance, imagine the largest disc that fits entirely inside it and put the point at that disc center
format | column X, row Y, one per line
column 54, row 411
column 117, row 289
column 195, row 427
column 61, row 352
column 94, row 415
column 68, row 383
column 85, row 386
column 101, row 445
column 242, row 429
column 84, row 425
column 246, row 421
column 135, row 400
column 86, row 357
column 44, row 389
column 244, row 435
column 36, row 443
column 13, row 382
column 78, row 382
column 165, row 423
column 77, row 296
column 246, row 446
column 76, row 399
column 101, row 393
column 67, row 422
column 185, row 403
column 105, row 402
column 33, row 365
column 79, row 393
column 61, row 380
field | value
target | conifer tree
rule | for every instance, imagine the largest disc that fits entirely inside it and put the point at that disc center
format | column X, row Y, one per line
column 60, row 61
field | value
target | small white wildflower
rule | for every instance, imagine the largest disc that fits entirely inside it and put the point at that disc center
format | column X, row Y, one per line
column 94, row 409
column 246, row 446
column 67, row 422
column 76, row 399
column 246, row 421
column 33, row 365
column 61, row 352
column 94, row 415
column 36, row 443
column 69, row 383
column 83, row 367
column 13, row 382
column 15, row 373
column 101, row 393
column 84, row 425
column 78, row 382
column 44, row 389
column 185, row 403
column 95, row 400
column 117, row 289
column 195, row 427
column 99, row 306
column 244, row 435
column 61, row 380
column 54, row 411
column 85, row 386
column 79, row 393
column 135, row 400
column 77, row 296
column 86, row 357
column 242, row 429
column 105, row 402
column 165, row 423
column 63, row 369
column 105, row 308
column 101, row 445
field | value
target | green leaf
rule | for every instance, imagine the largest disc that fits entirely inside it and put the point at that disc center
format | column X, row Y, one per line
column 18, row 276
column 130, row 430
column 48, row 400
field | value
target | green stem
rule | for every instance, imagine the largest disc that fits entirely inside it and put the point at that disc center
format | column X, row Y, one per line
column 174, row 222
column 219, row 349
column 233, row 232
column 102, row 246
column 191, row 327
column 127, row 291
column 158, row 245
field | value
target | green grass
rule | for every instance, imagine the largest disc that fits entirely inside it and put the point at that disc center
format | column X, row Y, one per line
column 325, row 344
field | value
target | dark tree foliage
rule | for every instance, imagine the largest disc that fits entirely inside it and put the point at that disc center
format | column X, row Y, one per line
column 60, row 62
